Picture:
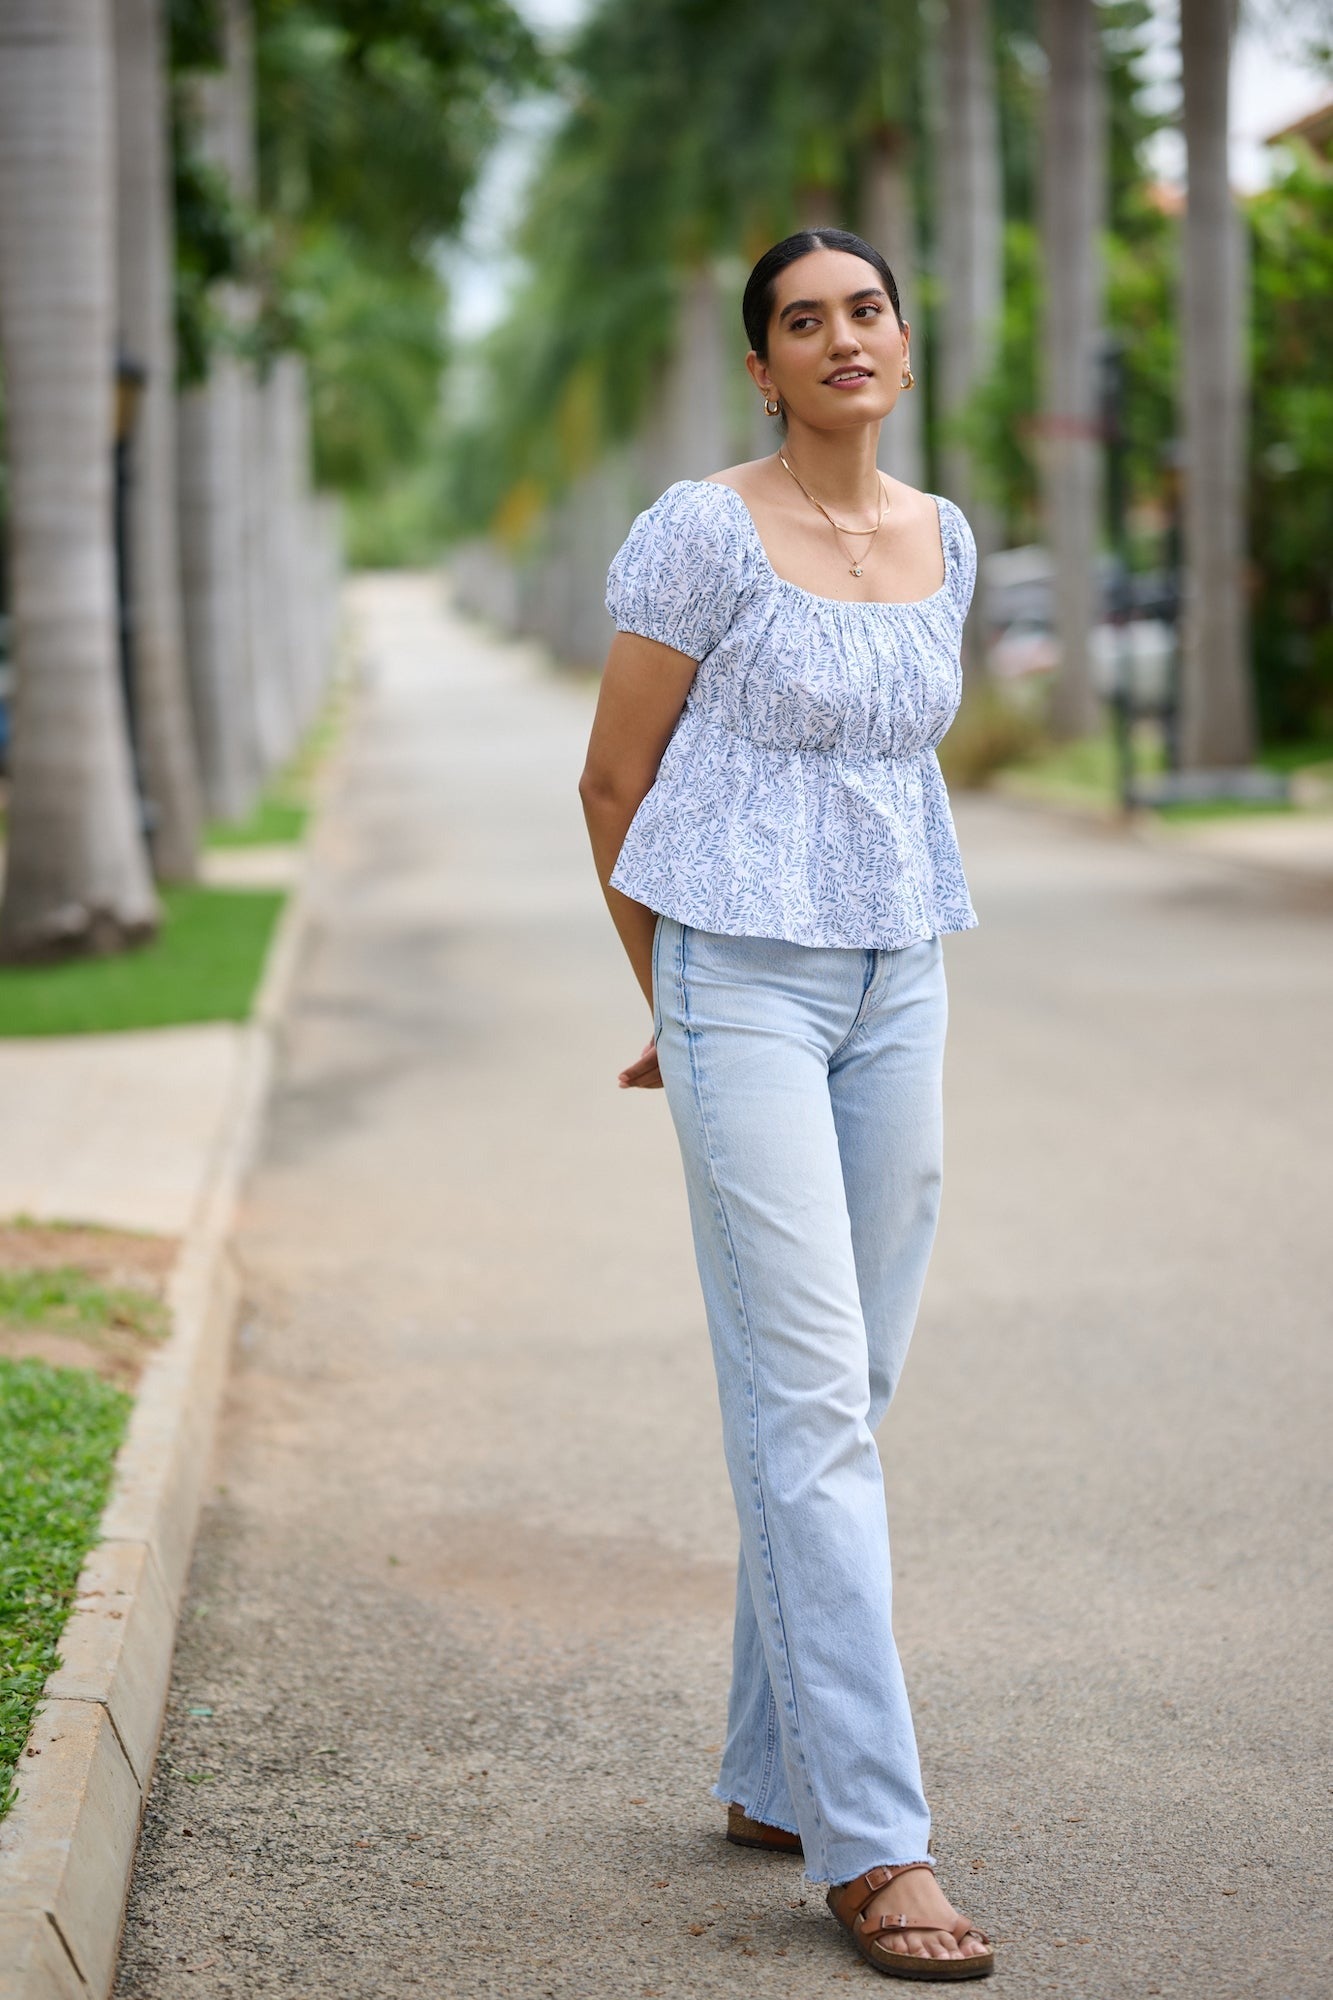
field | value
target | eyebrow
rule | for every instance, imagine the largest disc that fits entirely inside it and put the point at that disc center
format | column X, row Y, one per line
column 808, row 305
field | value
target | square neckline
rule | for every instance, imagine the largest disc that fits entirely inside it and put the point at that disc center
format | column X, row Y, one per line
column 859, row 603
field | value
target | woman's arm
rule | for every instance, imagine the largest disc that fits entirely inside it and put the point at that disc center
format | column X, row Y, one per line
column 644, row 685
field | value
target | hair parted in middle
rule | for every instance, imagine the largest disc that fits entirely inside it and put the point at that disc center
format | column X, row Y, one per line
column 757, row 301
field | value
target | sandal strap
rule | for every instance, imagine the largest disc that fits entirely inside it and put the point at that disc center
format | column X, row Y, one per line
column 853, row 1896
column 869, row 1927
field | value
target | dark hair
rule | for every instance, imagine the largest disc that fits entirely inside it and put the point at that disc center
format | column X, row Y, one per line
column 757, row 303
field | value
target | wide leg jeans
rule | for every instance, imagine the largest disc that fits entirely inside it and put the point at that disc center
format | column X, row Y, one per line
column 804, row 1086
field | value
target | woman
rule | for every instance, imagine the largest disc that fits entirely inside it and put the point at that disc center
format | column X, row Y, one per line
column 774, row 841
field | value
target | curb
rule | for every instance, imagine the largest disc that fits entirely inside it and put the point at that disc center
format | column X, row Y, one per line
column 68, row 1844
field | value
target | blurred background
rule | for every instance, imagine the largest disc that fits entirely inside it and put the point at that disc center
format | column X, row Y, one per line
column 340, row 341
column 287, row 285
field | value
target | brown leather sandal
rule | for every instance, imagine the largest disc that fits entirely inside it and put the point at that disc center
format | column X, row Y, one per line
column 849, row 1901
column 747, row 1832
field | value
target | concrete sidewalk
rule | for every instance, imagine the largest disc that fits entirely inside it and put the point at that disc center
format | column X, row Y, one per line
column 120, row 1129
column 1297, row 845
column 147, row 1131
column 1292, row 850
column 448, row 1691
column 115, row 1129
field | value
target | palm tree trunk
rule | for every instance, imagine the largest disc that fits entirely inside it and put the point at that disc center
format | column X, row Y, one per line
column 889, row 222
column 265, row 581
column 77, row 876
column 211, row 477
column 818, row 206
column 1073, row 197
column 687, row 432
column 326, row 596
column 1217, row 697
column 269, row 566
column 310, row 666
column 971, row 260
column 214, row 491
column 146, row 322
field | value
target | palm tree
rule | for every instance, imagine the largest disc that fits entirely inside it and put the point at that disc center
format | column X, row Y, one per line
column 1217, row 719
column 145, row 319
column 695, row 134
column 269, row 568
column 214, row 492
column 1072, row 200
column 77, row 877
column 970, row 253
column 888, row 220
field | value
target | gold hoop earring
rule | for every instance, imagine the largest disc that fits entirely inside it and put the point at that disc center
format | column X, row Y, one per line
column 907, row 380
column 772, row 409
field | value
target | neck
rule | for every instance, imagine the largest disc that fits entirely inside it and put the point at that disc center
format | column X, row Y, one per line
column 837, row 466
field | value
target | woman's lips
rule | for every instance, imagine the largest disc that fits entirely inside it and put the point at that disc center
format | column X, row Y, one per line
column 848, row 382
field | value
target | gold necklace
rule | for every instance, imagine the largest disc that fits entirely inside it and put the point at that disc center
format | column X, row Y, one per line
column 839, row 530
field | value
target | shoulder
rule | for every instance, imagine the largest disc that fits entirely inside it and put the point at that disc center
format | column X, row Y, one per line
column 686, row 494
column 918, row 504
column 952, row 518
column 960, row 547
column 737, row 476
column 682, row 569
column 695, row 521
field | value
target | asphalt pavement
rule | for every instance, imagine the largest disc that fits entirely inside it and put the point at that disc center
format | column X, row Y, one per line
column 449, row 1686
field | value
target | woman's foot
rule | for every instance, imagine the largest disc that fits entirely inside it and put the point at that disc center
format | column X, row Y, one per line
column 919, row 1897
column 901, row 1922
column 747, row 1832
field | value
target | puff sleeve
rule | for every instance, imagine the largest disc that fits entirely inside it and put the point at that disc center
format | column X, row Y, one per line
column 963, row 568
column 678, row 575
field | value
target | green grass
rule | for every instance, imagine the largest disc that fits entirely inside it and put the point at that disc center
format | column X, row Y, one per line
column 1084, row 772
column 204, row 965
column 1087, row 772
column 282, row 812
column 70, row 1302
column 1316, row 755
column 60, row 1429
column 1191, row 809
column 275, row 821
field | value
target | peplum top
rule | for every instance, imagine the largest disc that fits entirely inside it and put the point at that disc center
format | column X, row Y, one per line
column 799, row 795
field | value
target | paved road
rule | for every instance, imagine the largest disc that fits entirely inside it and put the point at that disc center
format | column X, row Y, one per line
column 450, row 1680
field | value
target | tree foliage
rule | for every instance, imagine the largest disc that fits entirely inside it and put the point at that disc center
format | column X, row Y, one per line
column 373, row 117
column 1291, row 465
column 691, row 129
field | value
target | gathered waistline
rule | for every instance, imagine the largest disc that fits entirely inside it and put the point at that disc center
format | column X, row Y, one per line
column 811, row 749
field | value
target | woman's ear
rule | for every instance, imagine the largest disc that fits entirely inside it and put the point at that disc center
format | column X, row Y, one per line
column 758, row 371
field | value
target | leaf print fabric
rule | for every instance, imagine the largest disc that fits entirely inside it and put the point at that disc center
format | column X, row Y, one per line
column 799, row 796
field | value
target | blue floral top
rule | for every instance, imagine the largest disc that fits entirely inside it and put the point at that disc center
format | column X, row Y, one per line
column 799, row 796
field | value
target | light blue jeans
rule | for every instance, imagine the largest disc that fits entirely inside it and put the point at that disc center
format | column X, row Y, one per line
column 804, row 1086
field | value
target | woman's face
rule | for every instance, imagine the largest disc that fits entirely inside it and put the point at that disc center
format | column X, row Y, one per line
column 836, row 353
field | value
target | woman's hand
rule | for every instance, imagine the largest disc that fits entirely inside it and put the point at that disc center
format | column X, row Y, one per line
column 643, row 1074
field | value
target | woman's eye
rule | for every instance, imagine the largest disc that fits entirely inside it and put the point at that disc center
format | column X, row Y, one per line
column 869, row 308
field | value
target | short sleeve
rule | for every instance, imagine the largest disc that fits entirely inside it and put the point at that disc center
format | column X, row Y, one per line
column 963, row 567
column 678, row 574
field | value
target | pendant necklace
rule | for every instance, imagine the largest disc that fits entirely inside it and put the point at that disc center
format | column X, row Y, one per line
column 856, row 568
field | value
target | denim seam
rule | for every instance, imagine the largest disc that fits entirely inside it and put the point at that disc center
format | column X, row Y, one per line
column 691, row 1038
column 656, row 958
column 859, row 1019
column 771, row 1742
column 891, row 957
